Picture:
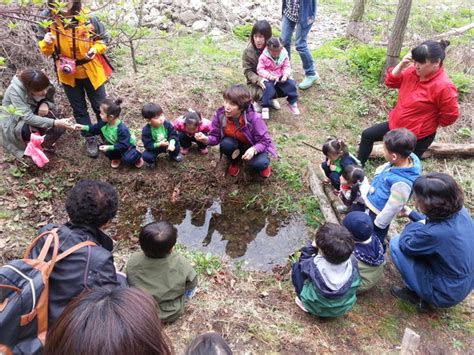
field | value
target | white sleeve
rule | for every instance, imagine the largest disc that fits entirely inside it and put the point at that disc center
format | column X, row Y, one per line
column 399, row 195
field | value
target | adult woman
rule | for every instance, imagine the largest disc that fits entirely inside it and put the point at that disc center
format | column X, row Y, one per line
column 101, row 321
column 241, row 133
column 32, row 96
column 426, row 98
column 77, row 40
column 436, row 257
column 261, row 33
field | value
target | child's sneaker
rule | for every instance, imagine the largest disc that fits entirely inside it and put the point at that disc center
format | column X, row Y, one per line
column 115, row 164
column 294, row 109
column 275, row 104
column 184, row 151
column 300, row 304
column 204, row 151
column 257, row 107
column 265, row 173
column 234, row 169
column 178, row 158
column 265, row 113
column 139, row 163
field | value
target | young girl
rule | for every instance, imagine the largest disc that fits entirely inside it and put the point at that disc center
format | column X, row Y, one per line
column 337, row 158
column 354, row 185
column 188, row 126
column 274, row 66
column 120, row 143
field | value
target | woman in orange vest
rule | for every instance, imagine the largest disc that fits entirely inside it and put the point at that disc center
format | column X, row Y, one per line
column 77, row 40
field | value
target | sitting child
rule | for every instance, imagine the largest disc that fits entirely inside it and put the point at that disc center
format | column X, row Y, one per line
column 337, row 158
column 187, row 126
column 121, row 144
column 391, row 186
column 326, row 276
column 368, row 250
column 167, row 276
column 274, row 66
column 159, row 136
column 354, row 186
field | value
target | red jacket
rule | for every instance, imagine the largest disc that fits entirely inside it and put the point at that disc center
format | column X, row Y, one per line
column 422, row 106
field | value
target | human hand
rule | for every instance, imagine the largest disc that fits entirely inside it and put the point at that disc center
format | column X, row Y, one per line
column 273, row 78
column 284, row 78
column 63, row 123
column 201, row 137
column 49, row 38
column 104, row 148
column 405, row 211
column 249, row 153
column 332, row 167
column 91, row 53
column 43, row 109
column 407, row 60
column 78, row 127
column 164, row 143
column 171, row 146
column 261, row 83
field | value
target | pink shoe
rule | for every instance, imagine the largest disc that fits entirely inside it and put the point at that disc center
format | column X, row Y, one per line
column 294, row 109
column 115, row 164
column 184, row 151
column 204, row 151
column 139, row 163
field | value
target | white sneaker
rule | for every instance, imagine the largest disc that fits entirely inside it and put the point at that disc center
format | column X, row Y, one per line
column 257, row 107
column 300, row 304
column 265, row 113
column 275, row 104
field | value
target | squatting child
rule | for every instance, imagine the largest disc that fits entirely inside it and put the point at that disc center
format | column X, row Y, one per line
column 354, row 186
column 188, row 126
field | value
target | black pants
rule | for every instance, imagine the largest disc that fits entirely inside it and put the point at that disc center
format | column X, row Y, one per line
column 376, row 133
column 51, row 134
column 186, row 141
column 380, row 233
column 228, row 145
column 333, row 176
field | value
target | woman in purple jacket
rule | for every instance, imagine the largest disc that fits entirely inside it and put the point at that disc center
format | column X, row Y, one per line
column 241, row 133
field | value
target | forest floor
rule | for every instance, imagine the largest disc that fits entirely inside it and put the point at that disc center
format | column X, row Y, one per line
column 254, row 310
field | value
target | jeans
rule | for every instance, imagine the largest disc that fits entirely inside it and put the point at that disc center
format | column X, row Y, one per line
column 405, row 265
column 228, row 145
column 287, row 29
column 376, row 133
column 297, row 278
column 129, row 157
column 77, row 98
column 186, row 141
column 280, row 89
column 149, row 156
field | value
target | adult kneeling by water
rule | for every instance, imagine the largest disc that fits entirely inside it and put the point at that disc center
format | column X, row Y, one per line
column 435, row 254
column 427, row 98
column 31, row 96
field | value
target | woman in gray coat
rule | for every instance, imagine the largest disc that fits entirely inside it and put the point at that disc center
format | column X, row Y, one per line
column 27, row 108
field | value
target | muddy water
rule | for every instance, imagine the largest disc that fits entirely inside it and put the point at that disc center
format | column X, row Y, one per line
column 252, row 238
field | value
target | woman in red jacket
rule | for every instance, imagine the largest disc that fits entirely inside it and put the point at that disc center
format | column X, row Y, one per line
column 427, row 98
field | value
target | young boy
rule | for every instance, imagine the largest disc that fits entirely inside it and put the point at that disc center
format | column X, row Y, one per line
column 326, row 276
column 159, row 136
column 367, row 249
column 167, row 276
column 391, row 186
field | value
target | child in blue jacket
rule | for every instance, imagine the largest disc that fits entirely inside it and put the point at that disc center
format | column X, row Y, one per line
column 120, row 143
column 159, row 136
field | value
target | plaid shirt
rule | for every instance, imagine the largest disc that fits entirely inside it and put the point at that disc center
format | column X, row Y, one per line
column 292, row 10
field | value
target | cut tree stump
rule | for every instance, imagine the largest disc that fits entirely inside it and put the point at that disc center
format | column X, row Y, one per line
column 410, row 342
column 436, row 150
column 324, row 202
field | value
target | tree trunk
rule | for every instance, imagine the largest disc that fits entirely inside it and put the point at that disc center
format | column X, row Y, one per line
column 396, row 37
column 318, row 191
column 356, row 26
column 463, row 150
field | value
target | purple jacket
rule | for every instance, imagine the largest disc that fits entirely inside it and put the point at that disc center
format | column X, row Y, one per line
column 255, row 130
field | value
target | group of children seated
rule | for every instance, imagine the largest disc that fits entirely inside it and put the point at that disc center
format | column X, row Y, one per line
column 158, row 136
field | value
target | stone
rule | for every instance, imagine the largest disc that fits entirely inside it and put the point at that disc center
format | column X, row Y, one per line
column 187, row 17
column 200, row 26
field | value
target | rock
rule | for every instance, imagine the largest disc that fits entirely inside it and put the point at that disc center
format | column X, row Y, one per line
column 200, row 26
column 216, row 33
column 187, row 17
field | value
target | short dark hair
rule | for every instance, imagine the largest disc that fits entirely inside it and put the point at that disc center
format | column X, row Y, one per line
column 208, row 344
column 335, row 242
column 401, row 141
column 34, row 80
column 275, row 43
column 192, row 118
column 335, row 145
column 430, row 50
column 91, row 203
column 151, row 110
column 102, row 321
column 112, row 106
column 238, row 95
column 354, row 175
column 263, row 28
column 157, row 239
column 439, row 195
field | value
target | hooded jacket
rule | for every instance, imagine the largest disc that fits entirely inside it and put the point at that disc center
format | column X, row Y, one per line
column 267, row 66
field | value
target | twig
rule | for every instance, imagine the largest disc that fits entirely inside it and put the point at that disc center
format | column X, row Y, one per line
column 312, row 146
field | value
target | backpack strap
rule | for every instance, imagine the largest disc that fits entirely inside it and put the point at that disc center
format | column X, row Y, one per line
column 74, row 249
column 52, row 237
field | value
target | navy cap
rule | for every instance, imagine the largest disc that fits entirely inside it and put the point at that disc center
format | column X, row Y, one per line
column 359, row 224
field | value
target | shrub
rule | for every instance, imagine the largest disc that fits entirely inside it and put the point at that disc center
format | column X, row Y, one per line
column 367, row 62
column 464, row 84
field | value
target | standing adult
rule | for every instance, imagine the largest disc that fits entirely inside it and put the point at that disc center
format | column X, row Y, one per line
column 435, row 253
column 77, row 40
column 31, row 95
column 427, row 98
column 300, row 15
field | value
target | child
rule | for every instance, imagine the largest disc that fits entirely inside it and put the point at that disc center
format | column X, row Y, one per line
column 159, row 136
column 187, row 126
column 391, row 186
column 274, row 65
column 368, row 250
column 208, row 344
column 120, row 143
column 354, row 185
column 326, row 276
column 167, row 276
column 337, row 158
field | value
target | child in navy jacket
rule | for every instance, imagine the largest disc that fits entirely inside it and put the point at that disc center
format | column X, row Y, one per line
column 120, row 143
column 159, row 136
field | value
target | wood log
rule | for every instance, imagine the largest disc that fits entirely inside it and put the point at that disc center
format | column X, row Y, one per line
column 441, row 150
column 410, row 342
column 324, row 203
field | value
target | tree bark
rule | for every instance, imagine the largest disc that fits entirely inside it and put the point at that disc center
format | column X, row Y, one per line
column 324, row 203
column 356, row 26
column 437, row 150
column 396, row 37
